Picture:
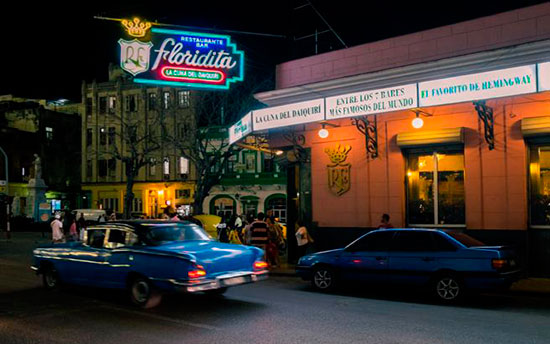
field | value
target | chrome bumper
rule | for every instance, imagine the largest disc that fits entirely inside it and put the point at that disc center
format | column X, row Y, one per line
column 222, row 281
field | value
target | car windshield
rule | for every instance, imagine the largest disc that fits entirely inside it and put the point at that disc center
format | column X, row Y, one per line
column 159, row 234
column 465, row 240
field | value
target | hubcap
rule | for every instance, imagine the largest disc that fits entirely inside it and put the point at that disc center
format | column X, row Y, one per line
column 323, row 279
column 50, row 279
column 447, row 288
column 140, row 291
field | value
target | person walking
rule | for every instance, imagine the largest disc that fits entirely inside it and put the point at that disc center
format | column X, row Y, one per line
column 221, row 228
column 259, row 233
column 303, row 239
column 273, row 242
column 57, row 230
column 72, row 231
column 81, row 224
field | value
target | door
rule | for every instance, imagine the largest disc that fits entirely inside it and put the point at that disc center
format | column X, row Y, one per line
column 366, row 259
column 87, row 259
column 412, row 258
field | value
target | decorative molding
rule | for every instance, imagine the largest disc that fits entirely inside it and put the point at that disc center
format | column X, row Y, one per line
column 370, row 130
column 485, row 113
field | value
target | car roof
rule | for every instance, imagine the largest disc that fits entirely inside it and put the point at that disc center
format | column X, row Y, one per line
column 142, row 225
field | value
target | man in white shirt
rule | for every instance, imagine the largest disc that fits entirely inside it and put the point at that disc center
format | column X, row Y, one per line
column 57, row 229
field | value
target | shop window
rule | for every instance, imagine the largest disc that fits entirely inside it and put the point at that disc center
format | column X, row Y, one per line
column 183, row 194
column 539, row 185
column 435, row 188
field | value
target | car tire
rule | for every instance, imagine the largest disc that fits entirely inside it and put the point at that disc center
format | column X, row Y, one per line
column 50, row 278
column 143, row 293
column 219, row 291
column 323, row 279
column 447, row 288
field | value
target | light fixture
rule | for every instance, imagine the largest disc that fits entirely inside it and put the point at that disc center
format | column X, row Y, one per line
column 279, row 152
column 418, row 122
column 323, row 133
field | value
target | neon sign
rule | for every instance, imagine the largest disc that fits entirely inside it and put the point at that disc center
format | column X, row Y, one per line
column 181, row 58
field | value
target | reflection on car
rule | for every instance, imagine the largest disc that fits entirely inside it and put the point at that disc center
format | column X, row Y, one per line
column 148, row 258
column 446, row 262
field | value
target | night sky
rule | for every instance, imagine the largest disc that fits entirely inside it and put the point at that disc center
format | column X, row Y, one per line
column 48, row 48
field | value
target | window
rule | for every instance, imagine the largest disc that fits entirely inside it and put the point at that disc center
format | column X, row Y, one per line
column 269, row 163
column 183, row 99
column 89, row 106
column 277, row 206
column 231, row 162
column 435, row 188
column 95, row 237
column 166, row 100
column 89, row 133
column 111, row 165
column 109, row 204
column 112, row 104
column 413, row 241
column 152, row 166
column 117, row 238
column 131, row 103
column 183, row 129
column 112, row 135
column 152, row 103
column 137, row 205
column 102, row 105
column 102, row 136
column 89, row 169
column 224, row 206
column 166, row 167
column 184, row 165
column 539, row 185
column 379, row 241
column 250, row 162
column 49, row 133
column 184, row 193
column 102, row 168
column 442, row 243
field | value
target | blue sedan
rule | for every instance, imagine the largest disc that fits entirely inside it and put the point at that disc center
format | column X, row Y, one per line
column 149, row 258
column 445, row 262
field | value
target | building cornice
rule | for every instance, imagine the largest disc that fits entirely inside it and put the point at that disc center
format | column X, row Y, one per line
column 512, row 56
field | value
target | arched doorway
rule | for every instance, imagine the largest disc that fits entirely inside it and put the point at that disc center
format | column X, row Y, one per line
column 224, row 204
column 250, row 205
column 276, row 204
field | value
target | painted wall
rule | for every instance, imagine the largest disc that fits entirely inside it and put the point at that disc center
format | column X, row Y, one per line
column 505, row 29
column 495, row 181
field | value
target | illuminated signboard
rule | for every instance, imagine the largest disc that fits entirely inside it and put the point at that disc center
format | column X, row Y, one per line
column 544, row 76
column 494, row 84
column 282, row 116
column 180, row 58
column 241, row 128
column 370, row 102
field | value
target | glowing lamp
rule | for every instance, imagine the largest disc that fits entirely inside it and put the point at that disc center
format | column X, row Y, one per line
column 323, row 133
column 279, row 152
column 417, row 123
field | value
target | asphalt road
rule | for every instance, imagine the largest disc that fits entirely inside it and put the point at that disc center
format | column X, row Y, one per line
column 279, row 310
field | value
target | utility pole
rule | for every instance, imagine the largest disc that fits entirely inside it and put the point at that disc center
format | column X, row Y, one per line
column 7, row 193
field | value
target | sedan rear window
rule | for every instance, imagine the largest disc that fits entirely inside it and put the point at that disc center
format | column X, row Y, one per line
column 465, row 239
column 159, row 234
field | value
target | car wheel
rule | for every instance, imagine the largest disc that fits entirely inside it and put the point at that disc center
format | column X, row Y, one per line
column 323, row 278
column 219, row 291
column 447, row 288
column 143, row 293
column 50, row 278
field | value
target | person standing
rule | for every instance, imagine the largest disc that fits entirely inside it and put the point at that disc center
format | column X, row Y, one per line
column 221, row 228
column 57, row 230
column 385, row 221
column 81, row 226
column 303, row 239
column 273, row 242
column 259, row 233
column 72, row 231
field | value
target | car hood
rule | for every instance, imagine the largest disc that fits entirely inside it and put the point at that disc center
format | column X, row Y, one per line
column 214, row 256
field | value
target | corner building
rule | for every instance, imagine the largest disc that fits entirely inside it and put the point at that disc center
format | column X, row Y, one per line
column 168, row 178
column 444, row 128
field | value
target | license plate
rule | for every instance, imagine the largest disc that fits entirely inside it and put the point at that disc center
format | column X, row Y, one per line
column 234, row 280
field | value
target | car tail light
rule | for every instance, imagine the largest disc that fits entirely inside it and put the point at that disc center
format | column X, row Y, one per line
column 260, row 265
column 499, row 263
column 197, row 273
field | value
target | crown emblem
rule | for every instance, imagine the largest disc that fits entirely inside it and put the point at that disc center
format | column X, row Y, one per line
column 338, row 154
column 135, row 27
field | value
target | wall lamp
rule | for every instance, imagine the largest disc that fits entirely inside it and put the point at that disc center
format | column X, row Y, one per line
column 418, row 122
column 323, row 132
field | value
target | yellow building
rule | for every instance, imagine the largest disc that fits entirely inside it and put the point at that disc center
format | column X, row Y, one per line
column 167, row 178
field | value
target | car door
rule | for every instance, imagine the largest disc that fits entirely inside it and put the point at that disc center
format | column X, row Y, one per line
column 412, row 257
column 117, row 257
column 89, row 256
column 366, row 259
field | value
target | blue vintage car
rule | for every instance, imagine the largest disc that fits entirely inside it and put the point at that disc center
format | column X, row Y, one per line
column 446, row 262
column 149, row 258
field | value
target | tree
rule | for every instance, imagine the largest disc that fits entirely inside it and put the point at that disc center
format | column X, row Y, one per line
column 208, row 147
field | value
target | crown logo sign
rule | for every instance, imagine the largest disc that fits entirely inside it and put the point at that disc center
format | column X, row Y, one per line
column 338, row 154
column 135, row 27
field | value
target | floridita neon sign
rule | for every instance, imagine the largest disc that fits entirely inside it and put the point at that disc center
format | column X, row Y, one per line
column 181, row 58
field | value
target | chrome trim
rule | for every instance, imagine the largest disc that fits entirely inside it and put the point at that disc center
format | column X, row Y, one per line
column 208, row 284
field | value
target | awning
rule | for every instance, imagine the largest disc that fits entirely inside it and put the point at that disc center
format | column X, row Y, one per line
column 435, row 137
column 535, row 126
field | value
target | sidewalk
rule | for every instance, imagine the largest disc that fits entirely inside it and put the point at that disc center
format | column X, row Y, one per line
column 18, row 250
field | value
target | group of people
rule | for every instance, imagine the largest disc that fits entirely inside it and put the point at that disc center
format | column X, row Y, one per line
column 76, row 228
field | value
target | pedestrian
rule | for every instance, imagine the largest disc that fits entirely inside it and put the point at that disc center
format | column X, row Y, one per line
column 247, row 230
column 273, row 242
column 221, row 229
column 303, row 239
column 101, row 218
column 72, row 231
column 174, row 217
column 385, row 221
column 81, row 224
column 259, row 233
column 57, row 230
column 112, row 217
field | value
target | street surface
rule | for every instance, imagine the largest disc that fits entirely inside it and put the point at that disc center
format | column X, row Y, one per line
column 279, row 310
